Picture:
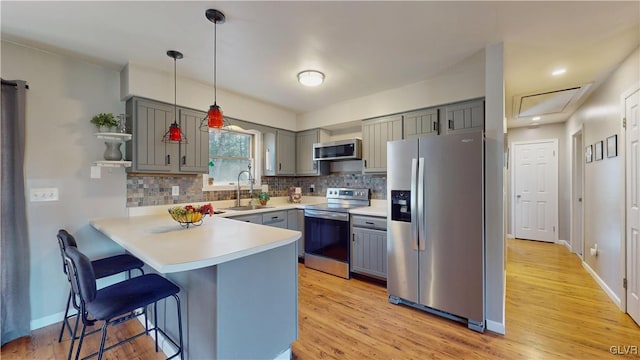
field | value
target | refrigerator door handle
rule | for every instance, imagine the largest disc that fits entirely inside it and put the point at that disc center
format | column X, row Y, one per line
column 422, row 226
column 414, row 212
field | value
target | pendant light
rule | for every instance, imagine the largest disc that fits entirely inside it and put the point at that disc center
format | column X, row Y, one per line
column 174, row 134
column 214, row 118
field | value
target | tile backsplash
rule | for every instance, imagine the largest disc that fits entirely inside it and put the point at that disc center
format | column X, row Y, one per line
column 147, row 190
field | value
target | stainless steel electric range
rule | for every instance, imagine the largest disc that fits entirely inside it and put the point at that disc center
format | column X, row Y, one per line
column 327, row 233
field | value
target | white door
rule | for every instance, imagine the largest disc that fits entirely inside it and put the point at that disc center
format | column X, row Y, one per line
column 576, row 198
column 632, row 141
column 536, row 190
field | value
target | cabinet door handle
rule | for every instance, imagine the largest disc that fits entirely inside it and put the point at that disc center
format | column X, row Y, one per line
column 451, row 124
column 365, row 163
column 279, row 166
column 184, row 159
column 274, row 218
column 435, row 126
column 368, row 222
column 168, row 159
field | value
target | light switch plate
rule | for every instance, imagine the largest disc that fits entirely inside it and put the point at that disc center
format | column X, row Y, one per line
column 43, row 194
column 175, row 190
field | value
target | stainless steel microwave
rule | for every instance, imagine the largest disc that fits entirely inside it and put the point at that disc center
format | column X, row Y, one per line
column 350, row 149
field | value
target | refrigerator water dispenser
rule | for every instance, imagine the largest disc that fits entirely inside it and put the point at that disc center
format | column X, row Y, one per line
column 401, row 205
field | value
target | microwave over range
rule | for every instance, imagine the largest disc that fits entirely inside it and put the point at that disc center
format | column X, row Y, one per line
column 350, row 149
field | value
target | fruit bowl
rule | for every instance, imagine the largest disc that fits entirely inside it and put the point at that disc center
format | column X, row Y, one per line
column 190, row 215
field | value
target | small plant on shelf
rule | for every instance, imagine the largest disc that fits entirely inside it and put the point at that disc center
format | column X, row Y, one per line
column 262, row 197
column 104, row 121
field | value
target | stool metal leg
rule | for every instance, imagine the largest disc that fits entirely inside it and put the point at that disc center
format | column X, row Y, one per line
column 103, row 340
column 179, row 327
column 65, row 320
column 155, row 322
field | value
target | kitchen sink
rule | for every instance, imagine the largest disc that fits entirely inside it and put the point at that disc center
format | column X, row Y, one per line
column 248, row 207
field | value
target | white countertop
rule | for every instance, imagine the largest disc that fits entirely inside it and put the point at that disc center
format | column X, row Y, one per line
column 370, row 211
column 167, row 247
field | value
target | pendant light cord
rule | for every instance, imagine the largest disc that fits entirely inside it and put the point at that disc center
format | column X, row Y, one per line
column 215, row 84
column 175, row 92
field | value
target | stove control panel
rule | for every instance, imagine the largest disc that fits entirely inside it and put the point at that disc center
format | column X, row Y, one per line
column 348, row 194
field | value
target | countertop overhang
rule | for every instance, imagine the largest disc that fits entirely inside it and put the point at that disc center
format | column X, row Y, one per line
column 167, row 247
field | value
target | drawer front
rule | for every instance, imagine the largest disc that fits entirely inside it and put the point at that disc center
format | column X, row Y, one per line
column 275, row 219
column 369, row 222
column 254, row 219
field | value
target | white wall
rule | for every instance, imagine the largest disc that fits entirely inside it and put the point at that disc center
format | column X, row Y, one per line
column 551, row 131
column 604, row 181
column 140, row 81
column 465, row 80
column 63, row 95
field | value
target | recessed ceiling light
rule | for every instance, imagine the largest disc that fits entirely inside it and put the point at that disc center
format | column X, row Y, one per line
column 310, row 78
column 558, row 72
column 536, row 118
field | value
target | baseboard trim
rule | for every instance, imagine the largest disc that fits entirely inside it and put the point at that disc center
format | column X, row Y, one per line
column 496, row 327
column 565, row 243
column 616, row 300
column 46, row 321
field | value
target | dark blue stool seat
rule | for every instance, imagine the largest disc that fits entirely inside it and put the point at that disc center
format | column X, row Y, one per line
column 129, row 295
column 118, row 302
column 115, row 264
column 102, row 268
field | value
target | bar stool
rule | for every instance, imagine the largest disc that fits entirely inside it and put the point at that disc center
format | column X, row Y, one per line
column 118, row 302
column 102, row 268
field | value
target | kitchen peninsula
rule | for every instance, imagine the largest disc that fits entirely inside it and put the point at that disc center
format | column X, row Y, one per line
column 238, row 281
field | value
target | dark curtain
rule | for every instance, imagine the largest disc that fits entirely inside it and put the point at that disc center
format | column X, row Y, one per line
column 16, row 309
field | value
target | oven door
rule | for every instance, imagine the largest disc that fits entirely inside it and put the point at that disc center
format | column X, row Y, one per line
column 327, row 234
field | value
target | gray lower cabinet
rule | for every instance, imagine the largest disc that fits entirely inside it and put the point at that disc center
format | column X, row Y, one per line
column 149, row 120
column 253, row 218
column 369, row 246
column 375, row 134
column 464, row 117
column 295, row 221
column 275, row 219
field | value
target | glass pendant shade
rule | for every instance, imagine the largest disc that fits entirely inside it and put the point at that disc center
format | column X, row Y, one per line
column 174, row 133
column 215, row 118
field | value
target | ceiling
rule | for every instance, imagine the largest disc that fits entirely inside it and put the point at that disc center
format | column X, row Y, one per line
column 362, row 47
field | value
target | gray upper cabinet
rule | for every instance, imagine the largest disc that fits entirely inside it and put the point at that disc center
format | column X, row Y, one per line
column 421, row 123
column 285, row 152
column 149, row 120
column 194, row 154
column 464, row 117
column 375, row 134
column 305, row 165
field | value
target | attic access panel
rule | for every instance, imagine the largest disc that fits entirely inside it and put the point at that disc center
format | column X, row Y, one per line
column 552, row 102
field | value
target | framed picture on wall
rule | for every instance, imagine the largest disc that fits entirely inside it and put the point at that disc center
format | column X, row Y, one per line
column 588, row 154
column 598, row 150
column 612, row 146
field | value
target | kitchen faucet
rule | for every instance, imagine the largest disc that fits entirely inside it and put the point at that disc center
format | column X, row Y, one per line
column 251, row 182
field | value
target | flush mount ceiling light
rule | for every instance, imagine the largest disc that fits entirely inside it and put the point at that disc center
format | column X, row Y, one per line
column 214, row 118
column 174, row 134
column 310, row 78
column 558, row 72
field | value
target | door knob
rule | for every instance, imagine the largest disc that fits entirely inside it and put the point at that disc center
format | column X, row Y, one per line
column 518, row 196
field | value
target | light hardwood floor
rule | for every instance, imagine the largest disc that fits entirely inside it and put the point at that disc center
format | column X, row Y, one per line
column 555, row 310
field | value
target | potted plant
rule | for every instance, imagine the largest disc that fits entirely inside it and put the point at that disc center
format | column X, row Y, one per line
column 104, row 121
column 263, row 197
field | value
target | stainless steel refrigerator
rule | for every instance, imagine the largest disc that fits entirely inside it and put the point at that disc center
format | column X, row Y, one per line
column 435, row 225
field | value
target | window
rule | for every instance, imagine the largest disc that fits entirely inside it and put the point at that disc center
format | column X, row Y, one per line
column 230, row 152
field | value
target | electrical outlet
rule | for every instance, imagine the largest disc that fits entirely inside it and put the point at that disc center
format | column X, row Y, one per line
column 43, row 194
column 175, row 190
column 312, row 188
